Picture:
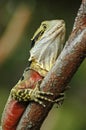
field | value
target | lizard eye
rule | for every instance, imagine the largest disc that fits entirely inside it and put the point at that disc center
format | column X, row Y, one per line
column 44, row 26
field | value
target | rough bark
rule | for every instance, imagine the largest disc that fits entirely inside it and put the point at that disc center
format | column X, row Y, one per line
column 60, row 75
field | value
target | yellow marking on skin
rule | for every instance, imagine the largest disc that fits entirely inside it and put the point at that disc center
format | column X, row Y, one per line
column 34, row 95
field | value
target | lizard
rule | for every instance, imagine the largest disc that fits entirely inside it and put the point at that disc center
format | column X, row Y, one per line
column 47, row 44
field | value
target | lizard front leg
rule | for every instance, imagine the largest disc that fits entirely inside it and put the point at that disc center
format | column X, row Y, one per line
column 25, row 95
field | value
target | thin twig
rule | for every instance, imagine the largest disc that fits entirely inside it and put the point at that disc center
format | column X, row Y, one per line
column 60, row 75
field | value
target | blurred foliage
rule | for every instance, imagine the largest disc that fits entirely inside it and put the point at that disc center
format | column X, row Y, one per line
column 72, row 115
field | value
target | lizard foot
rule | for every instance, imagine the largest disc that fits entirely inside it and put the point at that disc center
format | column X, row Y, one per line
column 25, row 95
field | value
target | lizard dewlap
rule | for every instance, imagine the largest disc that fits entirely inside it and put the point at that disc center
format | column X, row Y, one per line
column 47, row 43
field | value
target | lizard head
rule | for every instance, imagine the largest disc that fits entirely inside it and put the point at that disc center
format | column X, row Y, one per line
column 48, row 42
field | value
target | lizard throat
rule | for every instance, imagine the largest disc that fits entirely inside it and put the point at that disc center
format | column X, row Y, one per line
column 44, row 54
column 37, row 68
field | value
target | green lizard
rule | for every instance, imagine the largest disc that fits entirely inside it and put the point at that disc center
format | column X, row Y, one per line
column 48, row 40
column 47, row 43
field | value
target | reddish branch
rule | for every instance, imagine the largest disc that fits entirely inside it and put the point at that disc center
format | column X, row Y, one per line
column 57, row 79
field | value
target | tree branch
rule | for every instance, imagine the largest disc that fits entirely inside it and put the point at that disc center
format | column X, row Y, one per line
column 60, row 75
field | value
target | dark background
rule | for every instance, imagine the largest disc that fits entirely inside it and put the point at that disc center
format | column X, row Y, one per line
column 72, row 114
